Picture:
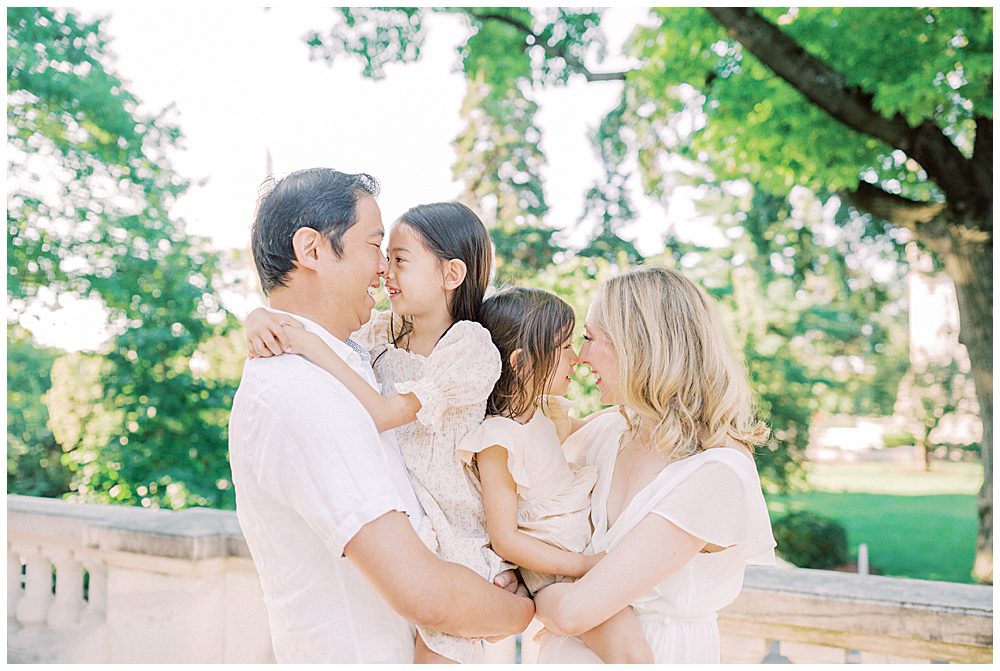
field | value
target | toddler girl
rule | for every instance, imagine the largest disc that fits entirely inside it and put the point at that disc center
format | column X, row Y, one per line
column 537, row 505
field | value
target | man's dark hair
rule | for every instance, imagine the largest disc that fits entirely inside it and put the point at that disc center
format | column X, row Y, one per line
column 317, row 198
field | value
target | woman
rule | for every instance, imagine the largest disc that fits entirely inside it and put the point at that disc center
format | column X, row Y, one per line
column 678, row 505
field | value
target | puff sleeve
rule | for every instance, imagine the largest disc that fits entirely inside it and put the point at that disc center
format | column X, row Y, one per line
column 497, row 431
column 460, row 371
column 720, row 501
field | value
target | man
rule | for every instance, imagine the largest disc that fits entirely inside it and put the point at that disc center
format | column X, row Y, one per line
column 323, row 499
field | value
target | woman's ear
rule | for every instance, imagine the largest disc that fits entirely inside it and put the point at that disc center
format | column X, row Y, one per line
column 306, row 246
column 454, row 273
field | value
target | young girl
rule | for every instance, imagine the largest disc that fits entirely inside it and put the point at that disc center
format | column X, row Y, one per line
column 537, row 505
column 436, row 366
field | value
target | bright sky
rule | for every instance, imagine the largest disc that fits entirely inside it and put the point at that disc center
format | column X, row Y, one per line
column 243, row 86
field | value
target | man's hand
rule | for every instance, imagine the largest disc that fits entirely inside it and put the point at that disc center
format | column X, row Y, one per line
column 510, row 581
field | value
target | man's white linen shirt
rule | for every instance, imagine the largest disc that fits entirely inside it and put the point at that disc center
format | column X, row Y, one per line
column 310, row 470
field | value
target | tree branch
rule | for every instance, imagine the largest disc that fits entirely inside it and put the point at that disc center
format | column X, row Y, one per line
column 913, row 215
column 827, row 89
column 575, row 64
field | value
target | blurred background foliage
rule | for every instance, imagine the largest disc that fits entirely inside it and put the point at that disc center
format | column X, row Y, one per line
column 810, row 282
column 138, row 421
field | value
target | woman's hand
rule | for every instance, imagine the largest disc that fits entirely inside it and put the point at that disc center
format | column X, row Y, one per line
column 265, row 333
column 547, row 601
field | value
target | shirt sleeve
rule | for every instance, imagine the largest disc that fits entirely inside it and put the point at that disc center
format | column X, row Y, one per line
column 460, row 371
column 321, row 456
column 721, row 503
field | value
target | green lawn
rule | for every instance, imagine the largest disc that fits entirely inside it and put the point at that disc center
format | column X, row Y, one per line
column 916, row 524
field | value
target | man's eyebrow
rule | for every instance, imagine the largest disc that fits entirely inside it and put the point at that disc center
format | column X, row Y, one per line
column 377, row 234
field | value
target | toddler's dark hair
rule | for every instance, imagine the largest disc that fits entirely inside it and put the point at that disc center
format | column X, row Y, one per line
column 536, row 322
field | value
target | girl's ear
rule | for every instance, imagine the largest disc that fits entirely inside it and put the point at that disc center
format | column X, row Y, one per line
column 306, row 244
column 454, row 273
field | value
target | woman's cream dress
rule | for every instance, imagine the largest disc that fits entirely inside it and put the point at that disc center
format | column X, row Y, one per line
column 714, row 495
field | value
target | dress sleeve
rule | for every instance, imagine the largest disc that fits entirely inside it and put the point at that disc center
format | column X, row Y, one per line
column 374, row 333
column 720, row 501
column 496, row 431
column 460, row 371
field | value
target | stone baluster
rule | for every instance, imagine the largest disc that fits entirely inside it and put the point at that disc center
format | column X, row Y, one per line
column 97, row 588
column 774, row 655
column 33, row 607
column 13, row 581
column 68, row 604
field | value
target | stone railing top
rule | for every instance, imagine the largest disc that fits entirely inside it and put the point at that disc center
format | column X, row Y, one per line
column 918, row 619
column 201, row 533
column 872, row 589
column 195, row 533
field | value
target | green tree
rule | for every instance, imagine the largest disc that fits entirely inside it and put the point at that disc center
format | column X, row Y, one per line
column 90, row 191
column 930, row 391
column 499, row 163
column 809, row 97
column 34, row 457
column 813, row 324
column 891, row 108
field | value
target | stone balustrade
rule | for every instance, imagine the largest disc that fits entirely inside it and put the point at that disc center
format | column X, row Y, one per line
column 112, row 584
column 161, row 586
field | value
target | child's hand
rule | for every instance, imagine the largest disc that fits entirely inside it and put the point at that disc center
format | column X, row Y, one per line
column 265, row 333
column 301, row 341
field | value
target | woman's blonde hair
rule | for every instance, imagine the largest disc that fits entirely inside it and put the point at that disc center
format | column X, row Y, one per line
column 674, row 366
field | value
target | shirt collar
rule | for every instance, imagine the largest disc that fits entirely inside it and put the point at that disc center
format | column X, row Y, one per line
column 343, row 350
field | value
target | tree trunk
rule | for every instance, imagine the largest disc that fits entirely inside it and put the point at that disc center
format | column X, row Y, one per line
column 968, row 258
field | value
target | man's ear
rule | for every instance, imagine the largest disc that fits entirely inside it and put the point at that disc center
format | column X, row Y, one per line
column 454, row 273
column 306, row 243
